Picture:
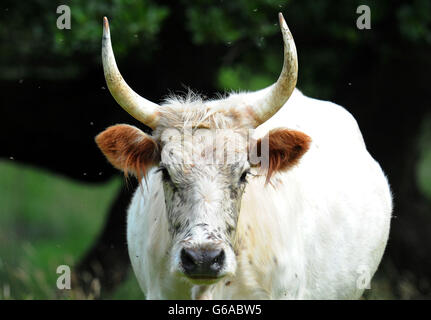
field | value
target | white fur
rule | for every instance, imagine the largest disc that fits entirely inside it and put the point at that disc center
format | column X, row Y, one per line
column 309, row 235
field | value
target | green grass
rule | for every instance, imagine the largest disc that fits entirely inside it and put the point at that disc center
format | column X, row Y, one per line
column 47, row 221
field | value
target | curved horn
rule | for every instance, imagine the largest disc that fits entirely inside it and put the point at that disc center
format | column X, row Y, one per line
column 137, row 106
column 266, row 102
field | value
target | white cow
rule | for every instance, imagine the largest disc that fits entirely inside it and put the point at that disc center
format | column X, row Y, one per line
column 309, row 220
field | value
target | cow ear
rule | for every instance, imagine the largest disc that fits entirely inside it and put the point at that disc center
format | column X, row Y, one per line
column 129, row 149
column 284, row 149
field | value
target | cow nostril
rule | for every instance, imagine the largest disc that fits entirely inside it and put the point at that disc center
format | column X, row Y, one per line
column 218, row 260
column 188, row 260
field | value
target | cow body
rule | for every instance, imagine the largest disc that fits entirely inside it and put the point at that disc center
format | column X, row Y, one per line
column 316, row 231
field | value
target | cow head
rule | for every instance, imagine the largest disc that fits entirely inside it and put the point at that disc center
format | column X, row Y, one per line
column 204, row 156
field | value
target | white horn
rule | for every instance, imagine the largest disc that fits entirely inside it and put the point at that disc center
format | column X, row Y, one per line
column 137, row 106
column 266, row 102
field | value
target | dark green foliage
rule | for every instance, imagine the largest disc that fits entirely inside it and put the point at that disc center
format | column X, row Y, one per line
column 31, row 45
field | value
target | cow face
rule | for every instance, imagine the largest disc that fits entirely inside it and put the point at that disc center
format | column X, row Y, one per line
column 204, row 173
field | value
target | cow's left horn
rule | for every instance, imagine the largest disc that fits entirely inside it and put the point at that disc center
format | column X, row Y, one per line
column 266, row 102
column 137, row 106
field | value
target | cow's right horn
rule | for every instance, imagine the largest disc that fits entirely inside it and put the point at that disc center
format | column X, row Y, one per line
column 137, row 106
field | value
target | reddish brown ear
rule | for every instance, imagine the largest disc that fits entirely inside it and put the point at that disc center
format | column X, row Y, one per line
column 129, row 149
column 285, row 148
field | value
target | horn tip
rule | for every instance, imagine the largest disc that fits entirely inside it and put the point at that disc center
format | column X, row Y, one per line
column 105, row 25
column 282, row 21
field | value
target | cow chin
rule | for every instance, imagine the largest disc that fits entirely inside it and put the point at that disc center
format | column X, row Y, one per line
column 202, row 277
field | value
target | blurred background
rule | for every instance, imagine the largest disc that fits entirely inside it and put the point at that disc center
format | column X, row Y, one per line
column 62, row 203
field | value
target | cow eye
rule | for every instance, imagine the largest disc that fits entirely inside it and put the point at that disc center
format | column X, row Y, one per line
column 244, row 175
column 165, row 173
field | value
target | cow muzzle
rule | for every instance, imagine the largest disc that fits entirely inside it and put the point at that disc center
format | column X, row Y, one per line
column 202, row 263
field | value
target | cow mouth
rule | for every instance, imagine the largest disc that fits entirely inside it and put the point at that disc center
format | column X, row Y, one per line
column 204, row 279
column 198, row 277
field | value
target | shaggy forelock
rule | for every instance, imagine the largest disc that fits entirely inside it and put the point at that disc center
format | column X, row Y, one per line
column 194, row 111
